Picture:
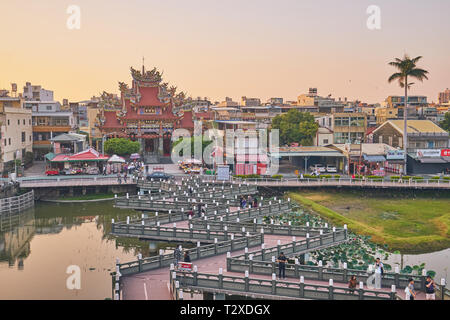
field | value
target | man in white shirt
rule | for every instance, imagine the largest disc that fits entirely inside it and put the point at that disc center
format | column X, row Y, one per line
column 378, row 273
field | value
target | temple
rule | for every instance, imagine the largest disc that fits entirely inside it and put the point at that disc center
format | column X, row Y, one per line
column 147, row 112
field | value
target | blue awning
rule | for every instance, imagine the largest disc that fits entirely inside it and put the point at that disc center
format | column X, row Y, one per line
column 374, row 158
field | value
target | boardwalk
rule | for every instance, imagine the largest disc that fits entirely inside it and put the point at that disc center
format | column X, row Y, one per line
column 241, row 258
column 73, row 182
column 350, row 183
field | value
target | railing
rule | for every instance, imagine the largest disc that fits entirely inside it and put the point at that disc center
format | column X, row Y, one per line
column 172, row 234
column 67, row 180
column 320, row 273
column 17, row 204
column 295, row 247
column 206, row 251
column 369, row 182
column 269, row 289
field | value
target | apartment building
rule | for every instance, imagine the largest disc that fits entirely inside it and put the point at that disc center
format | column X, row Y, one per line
column 16, row 138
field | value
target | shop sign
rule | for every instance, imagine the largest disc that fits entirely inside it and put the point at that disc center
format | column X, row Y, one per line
column 429, row 153
column 395, row 155
column 445, row 153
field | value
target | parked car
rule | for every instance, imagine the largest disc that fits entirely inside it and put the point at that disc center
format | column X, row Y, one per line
column 159, row 176
column 318, row 167
column 331, row 169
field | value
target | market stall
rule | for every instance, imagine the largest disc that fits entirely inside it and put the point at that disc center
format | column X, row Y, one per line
column 85, row 162
column 115, row 164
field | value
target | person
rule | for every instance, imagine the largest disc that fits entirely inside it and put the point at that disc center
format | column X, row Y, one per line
column 125, row 176
column 187, row 258
column 191, row 212
column 352, row 284
column 119, row 178
column 282, row 265
column 244, row 203
column 104, row 170
column 255, row 203
column 241, row 200
column 177, row 255
column 199, row 210
column 250, row 201
column 410, row 294
column 378, row 273
column 430, row 287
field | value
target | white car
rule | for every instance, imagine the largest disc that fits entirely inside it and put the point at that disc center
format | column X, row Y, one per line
column 331, row 169
column 318, row 167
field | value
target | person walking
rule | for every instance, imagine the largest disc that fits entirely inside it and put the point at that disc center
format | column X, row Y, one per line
column 430, row 289
column 282, row 265
column 125, row 176
column 119, row 178
column 187, row 258
column 104, row 170
column 378, row 273
column 352, row 284
column 410, row 294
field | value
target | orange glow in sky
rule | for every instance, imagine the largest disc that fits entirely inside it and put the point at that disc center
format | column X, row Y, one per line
column 224, row 48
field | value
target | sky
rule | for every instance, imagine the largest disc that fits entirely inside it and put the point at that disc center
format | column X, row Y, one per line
column 218, row 48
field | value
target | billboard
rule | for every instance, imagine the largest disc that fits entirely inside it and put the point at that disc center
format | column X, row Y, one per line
column 223, row 173
column 429, row 153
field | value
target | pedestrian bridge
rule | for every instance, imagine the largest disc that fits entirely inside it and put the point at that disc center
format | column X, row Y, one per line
column 236, row 254
column 349, row 183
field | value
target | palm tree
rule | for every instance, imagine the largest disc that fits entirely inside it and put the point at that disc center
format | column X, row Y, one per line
column 407, row 69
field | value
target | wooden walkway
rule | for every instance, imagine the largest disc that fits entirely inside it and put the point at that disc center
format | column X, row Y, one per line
column 74, row 182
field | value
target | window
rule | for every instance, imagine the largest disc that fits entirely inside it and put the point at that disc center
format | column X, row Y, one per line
column 30, row 138
column 325, row 141
column 29, row 122
column 380, row 139
column 18, row 122
column 23, row 121
column 8, row 122
column 23, row 137
column 9, row 141
column 49, row 108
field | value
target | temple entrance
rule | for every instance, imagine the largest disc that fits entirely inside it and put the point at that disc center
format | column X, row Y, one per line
column 167, row 147
column 149, row 146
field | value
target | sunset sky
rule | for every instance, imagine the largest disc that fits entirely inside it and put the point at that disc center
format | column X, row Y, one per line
column 218, row 48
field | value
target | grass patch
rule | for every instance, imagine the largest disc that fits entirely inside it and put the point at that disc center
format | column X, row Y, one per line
column 409, row 225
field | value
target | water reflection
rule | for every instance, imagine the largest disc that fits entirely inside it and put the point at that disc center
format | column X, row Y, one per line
column 38, row 245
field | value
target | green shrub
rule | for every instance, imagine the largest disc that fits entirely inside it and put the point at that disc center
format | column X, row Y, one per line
column 336, row 176
column 406, row 178
column 446, row 178
column 277, row 176
column 417, row 178
column 326, row 176
column 308, row 176
column 435, row 178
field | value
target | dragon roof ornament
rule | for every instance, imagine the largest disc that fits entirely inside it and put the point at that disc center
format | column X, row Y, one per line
column 149, row 76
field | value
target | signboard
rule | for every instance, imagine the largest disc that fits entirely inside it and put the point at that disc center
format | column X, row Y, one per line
column 223, row 173
column 429, row 153
column 395, row 155
column 184, row 266
column 445, row 153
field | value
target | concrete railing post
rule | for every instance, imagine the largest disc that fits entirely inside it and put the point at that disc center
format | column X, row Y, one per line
column 397, row 276
column 320, row 271
column 247, row 282
column 393, row 292
column 274, row 266
column 330, row 290
column 220, row 278
column 302, row 287
column 361, row 290
column 195, row 273
column 442, row 288
column 198, row 250
column 274, row 283
column 228, row 261
column 250, row 263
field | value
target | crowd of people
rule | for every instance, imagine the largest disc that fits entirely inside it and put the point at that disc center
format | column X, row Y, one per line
column 136, row 168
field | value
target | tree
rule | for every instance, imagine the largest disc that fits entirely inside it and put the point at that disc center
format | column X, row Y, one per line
column 205, row 143
column 445, row 124
column 407, row 68
column 296, row 126
column 121, row 146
